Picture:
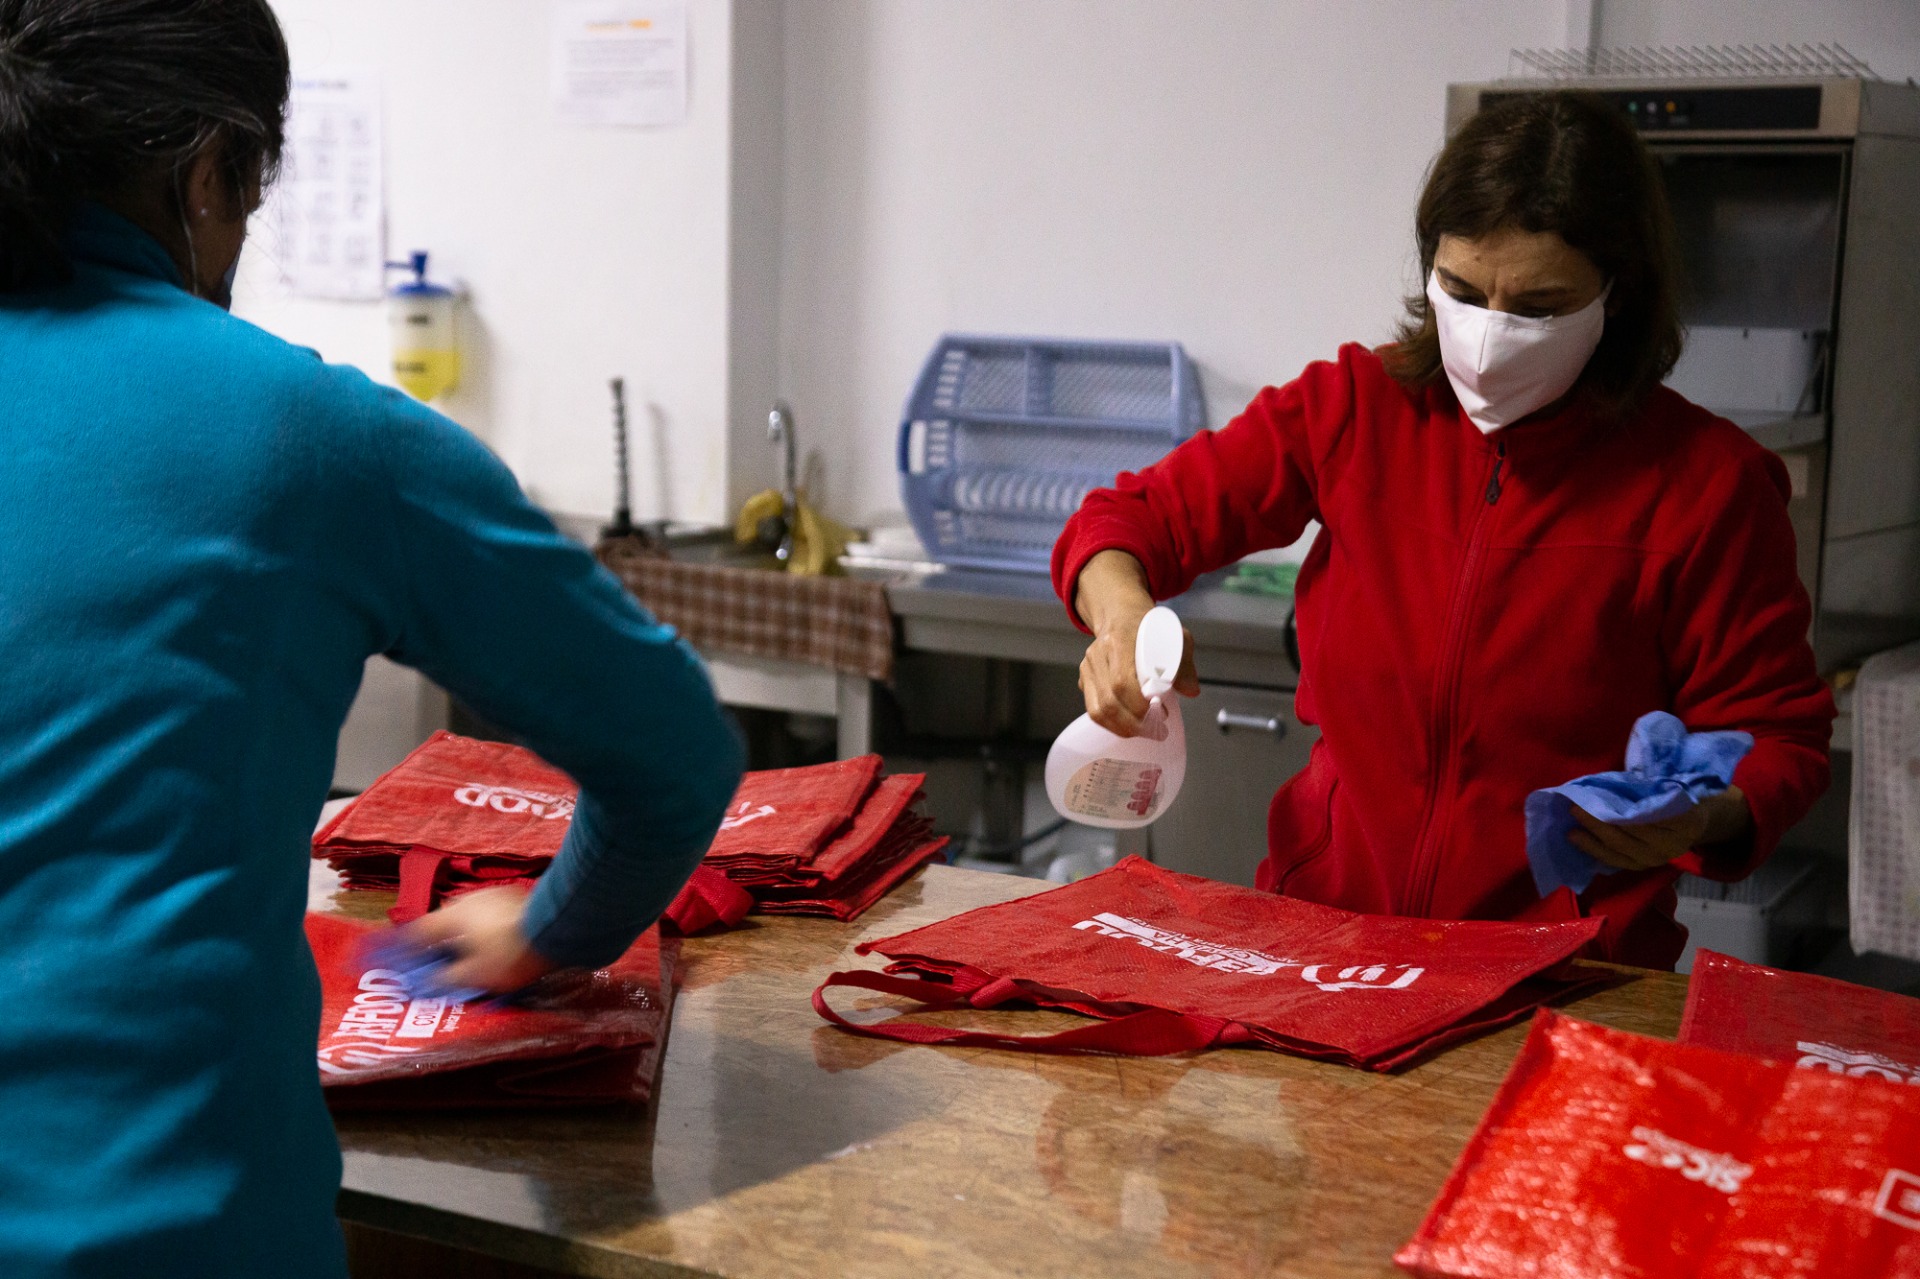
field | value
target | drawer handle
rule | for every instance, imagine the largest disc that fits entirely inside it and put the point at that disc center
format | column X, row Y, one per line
column 1260, row 723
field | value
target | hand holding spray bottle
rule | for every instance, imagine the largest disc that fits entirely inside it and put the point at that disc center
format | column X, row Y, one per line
column 1099, row 778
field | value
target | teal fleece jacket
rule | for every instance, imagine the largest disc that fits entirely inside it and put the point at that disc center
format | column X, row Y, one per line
column 204, row 533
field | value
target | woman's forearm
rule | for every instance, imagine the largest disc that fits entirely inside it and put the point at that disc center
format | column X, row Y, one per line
column 1112, row 585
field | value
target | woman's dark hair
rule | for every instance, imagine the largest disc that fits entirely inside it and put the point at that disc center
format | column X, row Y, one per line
column 98, row 96
column 1569, row 163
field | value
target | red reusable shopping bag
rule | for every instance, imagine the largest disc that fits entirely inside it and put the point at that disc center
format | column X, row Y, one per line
column 455, row 815
column 459, row 814
column 852, row 897
column 1180, row 963
column 886, row 842
column 884, row 806
column 781, row 818
column 462, row 797
column 577, row 1038
column 708, row 900
column 1803, row 1019
column 1608, row 1155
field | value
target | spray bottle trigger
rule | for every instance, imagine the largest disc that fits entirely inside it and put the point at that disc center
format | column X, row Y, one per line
column 1157, row 650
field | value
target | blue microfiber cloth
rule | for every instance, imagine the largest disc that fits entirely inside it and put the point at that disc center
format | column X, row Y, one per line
column 1669, row 770
column 422, row 969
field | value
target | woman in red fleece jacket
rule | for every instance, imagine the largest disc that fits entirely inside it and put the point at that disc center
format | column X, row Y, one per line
column 1527, row 543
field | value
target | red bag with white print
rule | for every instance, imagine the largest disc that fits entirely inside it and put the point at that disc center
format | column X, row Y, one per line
column 826, row 839
column 886, row 842
column 782, row 818
column 454, row 816
column 572, row 1039
column 1175, row 962
column 1609, row 1155
column 458, row 815
column 460, row 796
column 1803, row 1019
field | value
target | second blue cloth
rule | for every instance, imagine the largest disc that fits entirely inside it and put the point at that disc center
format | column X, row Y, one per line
column 1669, row 770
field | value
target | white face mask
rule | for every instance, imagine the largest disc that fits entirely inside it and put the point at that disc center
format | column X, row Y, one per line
column 1504, row 366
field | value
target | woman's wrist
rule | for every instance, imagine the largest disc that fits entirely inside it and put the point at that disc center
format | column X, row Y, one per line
column 1728, row 817
column 1110, row 583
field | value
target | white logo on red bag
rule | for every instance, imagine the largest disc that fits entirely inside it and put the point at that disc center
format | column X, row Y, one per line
column 1234, row 959
column 422, row 1018
column 738, row 819
column 1361, row 977
column 379, row 1014
column 511, row 799
column 1719, row 1172
column 1856, row 1064
column 1899, row 1200
column 1226, row 959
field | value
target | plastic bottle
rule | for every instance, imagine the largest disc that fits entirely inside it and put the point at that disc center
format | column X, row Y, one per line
column 1098, row 778
column 426, row 360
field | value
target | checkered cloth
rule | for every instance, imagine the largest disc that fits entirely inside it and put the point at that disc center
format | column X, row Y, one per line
column 835, row 622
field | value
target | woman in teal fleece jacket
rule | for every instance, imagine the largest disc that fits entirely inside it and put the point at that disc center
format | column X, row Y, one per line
column 204, row 533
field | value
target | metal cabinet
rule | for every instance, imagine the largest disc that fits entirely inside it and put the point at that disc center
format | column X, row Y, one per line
column 1242, row 743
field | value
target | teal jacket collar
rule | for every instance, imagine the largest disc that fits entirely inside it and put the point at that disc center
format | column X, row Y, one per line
column 104, row 238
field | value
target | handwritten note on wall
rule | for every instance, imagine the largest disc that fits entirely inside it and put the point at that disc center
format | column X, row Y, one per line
column 620, row 62
column 328, row 214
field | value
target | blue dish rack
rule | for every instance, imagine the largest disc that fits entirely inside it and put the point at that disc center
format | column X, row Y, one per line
column 1003, row 437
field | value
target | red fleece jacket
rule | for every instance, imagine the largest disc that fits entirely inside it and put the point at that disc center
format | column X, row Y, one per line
column 1483, row 616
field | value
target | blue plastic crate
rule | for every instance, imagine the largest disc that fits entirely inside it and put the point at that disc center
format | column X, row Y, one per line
column 1003, row 437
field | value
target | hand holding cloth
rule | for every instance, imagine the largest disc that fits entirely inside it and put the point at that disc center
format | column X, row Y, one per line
column 1669, row 770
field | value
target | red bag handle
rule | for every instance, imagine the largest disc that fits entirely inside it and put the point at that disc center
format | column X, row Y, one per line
column 707, row 899
column 1152, row 1032
column 419, row 869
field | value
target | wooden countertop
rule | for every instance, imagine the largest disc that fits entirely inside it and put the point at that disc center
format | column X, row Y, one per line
column 783, row 1147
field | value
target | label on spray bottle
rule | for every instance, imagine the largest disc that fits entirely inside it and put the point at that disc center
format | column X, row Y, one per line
column 1114, row 789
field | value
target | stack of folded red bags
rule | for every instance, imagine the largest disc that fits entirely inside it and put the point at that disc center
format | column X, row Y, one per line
column 830, row 839
column 459, row 815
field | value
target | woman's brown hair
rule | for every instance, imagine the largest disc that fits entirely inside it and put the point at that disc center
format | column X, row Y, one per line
column 1572, row 164
column 97, row 96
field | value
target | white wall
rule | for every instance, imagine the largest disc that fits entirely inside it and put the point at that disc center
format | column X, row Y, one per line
column 1238, row 175
column 587, row 252
column 858, row 176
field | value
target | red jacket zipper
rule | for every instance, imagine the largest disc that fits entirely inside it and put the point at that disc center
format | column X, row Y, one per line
column 1426, row 860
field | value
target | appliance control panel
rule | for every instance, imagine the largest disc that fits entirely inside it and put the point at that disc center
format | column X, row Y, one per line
column 1733, row 109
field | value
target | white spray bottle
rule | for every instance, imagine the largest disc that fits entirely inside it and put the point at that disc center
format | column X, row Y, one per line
column 1098, row 778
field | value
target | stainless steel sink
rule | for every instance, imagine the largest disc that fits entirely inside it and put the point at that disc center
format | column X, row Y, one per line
column 686, row 543
column 708, row 544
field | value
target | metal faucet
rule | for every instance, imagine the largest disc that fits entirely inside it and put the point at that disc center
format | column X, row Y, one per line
column 780, row 433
